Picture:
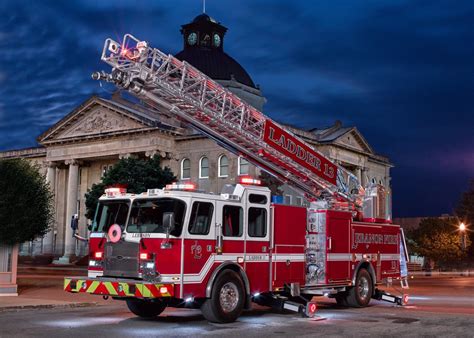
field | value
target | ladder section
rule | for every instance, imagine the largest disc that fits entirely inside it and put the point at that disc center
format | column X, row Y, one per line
column 161, row 80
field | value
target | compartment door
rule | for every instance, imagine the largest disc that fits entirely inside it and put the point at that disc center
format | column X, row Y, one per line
column 338, row 247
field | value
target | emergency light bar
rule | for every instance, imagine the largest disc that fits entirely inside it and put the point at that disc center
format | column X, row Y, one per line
column 113, row 192
column 250, row 180
column 181, row 186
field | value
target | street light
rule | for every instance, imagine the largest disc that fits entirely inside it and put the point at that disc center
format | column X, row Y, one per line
column 462, row 229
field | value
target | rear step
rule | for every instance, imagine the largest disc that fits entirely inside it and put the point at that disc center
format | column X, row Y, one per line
column 385, row 296
column 305, row 308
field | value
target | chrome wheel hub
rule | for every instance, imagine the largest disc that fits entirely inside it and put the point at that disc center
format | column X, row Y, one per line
column 363, row 288
column 229, row 297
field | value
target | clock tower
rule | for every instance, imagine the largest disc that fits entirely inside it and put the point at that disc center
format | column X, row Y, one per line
column 203, row 47
column 203, row 32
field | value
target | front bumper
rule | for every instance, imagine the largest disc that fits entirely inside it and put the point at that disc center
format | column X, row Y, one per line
column 115, row 287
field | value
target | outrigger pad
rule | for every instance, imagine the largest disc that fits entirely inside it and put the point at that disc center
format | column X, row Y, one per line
column 385, row 296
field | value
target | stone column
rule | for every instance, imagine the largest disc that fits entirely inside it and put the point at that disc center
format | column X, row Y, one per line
column 359, row 174
column 363, row 178
column 48, row 240
column 71, row 209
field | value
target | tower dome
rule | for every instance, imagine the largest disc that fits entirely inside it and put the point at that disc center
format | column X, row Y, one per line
column 203, row 40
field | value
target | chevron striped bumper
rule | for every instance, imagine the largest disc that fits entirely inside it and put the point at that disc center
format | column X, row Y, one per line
column 118, row 287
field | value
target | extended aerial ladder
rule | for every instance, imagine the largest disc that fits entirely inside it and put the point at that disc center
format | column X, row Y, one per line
column 162, row 81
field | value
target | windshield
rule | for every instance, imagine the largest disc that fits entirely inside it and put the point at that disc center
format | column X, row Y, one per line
column 110, row 212
column 147, row 215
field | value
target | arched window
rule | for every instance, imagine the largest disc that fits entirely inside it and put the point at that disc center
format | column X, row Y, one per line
column 185, row 169
column 204, row 167
column 244, row 166
column 223, row 166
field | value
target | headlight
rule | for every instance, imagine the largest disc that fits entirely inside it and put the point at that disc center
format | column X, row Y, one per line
column 95, row 263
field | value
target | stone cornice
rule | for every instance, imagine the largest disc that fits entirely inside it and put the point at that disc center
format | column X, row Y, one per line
column 108, row 135
column 24, row 153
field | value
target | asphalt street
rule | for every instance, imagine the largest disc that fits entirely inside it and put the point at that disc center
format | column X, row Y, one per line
column 438, row 307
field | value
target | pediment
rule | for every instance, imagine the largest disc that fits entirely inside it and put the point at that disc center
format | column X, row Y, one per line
column 99, row 120
column 354, row 139
column 95, row 117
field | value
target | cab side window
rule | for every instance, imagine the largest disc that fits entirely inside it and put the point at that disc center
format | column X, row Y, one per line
column 201, row 217
column 257, row 222
column 232, row 217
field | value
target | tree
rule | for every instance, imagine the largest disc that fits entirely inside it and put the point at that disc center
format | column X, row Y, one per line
column 271, row 182
column 438, row 239
column 465, row 213
column 26, row 202
column 137, row 175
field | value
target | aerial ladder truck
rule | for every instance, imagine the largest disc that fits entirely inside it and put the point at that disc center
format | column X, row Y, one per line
column 182, row 247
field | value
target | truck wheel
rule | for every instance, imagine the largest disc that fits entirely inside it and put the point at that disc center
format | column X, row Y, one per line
column 227, row 299
column 360, row 294
column 145, row 309
column 341, row 299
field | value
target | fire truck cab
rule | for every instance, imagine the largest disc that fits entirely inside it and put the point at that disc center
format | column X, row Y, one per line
column 181, row 247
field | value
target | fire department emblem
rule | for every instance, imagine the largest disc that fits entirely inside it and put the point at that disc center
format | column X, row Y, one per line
column 196, row 250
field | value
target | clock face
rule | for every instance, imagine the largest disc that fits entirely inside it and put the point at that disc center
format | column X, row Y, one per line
column 192, row 39
column 216, row 40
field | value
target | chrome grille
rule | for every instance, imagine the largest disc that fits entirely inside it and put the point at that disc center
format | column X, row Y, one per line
column 121, row 259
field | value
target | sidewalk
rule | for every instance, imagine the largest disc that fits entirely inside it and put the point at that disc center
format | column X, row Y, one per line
column 42, row 287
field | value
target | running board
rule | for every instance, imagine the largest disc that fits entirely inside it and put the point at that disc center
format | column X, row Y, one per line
column 387, row 297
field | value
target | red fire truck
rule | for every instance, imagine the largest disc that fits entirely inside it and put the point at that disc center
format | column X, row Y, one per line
column 182, row 247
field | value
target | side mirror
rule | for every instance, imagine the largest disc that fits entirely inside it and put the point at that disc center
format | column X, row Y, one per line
column 168, row 225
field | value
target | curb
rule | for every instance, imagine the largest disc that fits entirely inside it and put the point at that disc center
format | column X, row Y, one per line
column 47, row 306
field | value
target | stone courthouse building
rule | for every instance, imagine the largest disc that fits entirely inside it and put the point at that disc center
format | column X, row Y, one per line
column 77, row 150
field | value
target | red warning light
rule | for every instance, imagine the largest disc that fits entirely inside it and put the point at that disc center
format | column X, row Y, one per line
column 311, row 308
column 249, row 180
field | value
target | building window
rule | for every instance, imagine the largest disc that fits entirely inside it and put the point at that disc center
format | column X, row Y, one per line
column 223, row 168
column 243, row 166
column 186, row 169
column 204, row 167
column 287, row 199
column 299, row 200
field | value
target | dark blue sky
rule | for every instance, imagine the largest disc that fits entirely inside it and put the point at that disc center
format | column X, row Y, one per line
column 401, row 71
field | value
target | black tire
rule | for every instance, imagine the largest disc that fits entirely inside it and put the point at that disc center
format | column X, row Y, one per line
column 341, row 299
column 227, row 298
column 145, row 309
column 360, row 294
